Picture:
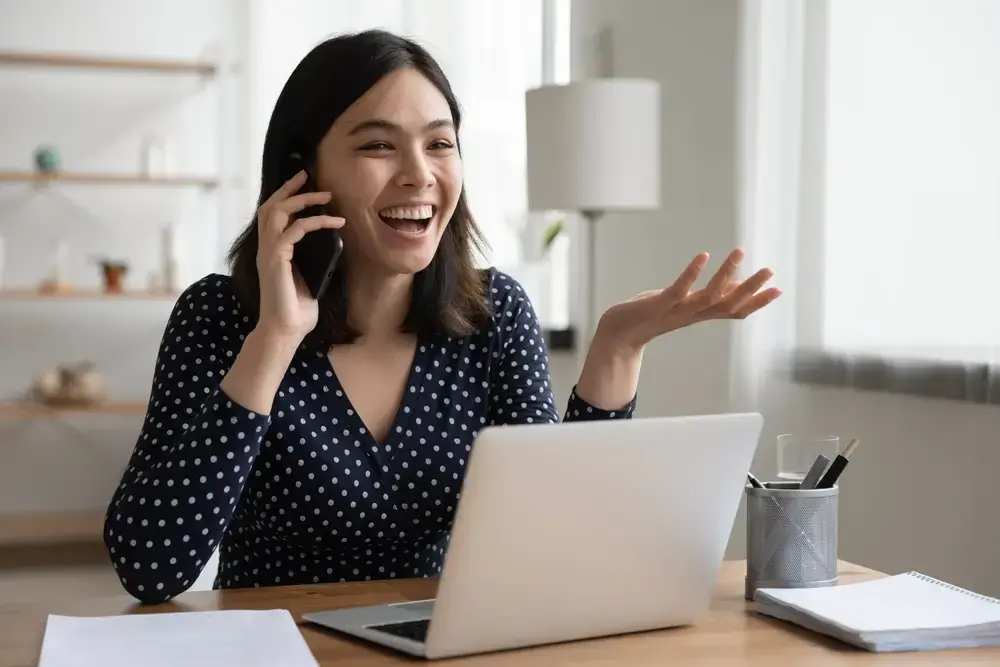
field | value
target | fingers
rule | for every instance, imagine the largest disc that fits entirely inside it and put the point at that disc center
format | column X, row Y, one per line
column 757, row 302
column 288, row 188
column 716, row 288
column 737, row 297
column 274, row 218
column 686, row 280
column 300, row 228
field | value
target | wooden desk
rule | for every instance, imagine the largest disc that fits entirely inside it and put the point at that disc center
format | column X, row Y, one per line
column 731, row 634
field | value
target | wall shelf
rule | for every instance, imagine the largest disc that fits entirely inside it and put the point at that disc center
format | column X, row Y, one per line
column 84, row 295
column 44, row 527
column 80, row 61
column 98, row 178
column 28, row 410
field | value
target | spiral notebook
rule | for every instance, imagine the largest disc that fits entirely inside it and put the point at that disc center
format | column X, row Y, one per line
column 904, row 612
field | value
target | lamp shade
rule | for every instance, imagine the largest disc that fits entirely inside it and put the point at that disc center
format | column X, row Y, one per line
column 594, row 145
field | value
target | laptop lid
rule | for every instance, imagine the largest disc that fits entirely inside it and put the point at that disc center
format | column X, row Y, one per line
column 584, row 529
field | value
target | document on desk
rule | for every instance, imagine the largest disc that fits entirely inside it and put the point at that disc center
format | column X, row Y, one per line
column 232, row 638
column 904, row 612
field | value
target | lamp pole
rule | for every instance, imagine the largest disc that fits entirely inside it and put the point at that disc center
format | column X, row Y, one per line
column 592, row 216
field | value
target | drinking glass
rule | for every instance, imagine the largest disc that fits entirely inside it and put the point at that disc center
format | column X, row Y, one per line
column 796, row 453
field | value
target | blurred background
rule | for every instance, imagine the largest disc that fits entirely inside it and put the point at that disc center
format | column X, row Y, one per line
column 852, row 146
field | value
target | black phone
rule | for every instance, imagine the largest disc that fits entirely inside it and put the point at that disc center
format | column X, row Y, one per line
column 315, row 256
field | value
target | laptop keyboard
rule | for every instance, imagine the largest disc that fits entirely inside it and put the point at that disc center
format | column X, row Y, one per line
column 415, row 630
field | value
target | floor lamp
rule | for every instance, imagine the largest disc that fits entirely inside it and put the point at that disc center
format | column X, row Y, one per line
column 593, row 146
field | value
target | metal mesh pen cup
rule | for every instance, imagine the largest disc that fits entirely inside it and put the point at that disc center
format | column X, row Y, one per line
column 791, row 537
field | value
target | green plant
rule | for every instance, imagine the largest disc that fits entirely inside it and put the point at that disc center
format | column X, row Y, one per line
column 553, row 231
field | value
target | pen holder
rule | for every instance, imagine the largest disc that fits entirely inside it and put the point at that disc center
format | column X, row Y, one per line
column 791, row 537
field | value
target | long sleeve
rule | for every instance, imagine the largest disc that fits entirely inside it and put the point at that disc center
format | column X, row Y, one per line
column 193, row 454
column 521, row 391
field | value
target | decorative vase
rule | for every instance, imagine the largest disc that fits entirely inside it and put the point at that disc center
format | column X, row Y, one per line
column 46, row 159
column 168, row 259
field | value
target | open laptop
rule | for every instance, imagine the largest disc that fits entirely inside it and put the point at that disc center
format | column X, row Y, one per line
column 576, row 530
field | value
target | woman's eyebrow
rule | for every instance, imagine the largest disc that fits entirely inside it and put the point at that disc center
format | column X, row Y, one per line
column 382, row 124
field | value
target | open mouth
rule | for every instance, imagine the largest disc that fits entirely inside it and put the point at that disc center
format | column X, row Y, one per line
column 408, row 219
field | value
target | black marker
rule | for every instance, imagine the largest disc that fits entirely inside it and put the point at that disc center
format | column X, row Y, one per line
column 754, row 482
column 838, row 465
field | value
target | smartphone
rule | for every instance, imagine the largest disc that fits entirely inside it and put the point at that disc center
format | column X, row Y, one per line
column 315, row 256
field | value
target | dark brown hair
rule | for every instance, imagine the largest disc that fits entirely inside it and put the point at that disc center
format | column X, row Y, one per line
column 449, row 296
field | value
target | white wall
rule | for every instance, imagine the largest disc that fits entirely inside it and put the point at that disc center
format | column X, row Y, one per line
column 921, row 491
column 690, row 47
column 97, row 120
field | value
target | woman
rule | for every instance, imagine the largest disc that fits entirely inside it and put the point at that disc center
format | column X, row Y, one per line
column 313, row 441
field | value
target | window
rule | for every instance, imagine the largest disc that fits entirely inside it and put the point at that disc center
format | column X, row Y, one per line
column 911, row 229
column 871, row 183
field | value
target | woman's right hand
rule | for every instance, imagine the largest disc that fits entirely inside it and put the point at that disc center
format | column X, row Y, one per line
column 287, row 309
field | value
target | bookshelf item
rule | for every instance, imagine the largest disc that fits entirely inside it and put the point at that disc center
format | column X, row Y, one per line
column 78, row 386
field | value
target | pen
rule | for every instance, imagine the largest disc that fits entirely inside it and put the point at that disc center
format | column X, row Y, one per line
column 838, row 465
column 754, row 482
column 818, row 466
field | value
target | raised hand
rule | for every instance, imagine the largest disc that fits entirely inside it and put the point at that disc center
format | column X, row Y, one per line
column 639, row 320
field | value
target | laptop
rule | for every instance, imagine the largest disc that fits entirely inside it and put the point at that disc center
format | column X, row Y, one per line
column 576, row 530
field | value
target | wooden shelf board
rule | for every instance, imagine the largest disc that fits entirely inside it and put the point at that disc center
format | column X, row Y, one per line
column 97, row 178
column 84, row 294
column 39, row 411
column 45, row 527
column 69, row 60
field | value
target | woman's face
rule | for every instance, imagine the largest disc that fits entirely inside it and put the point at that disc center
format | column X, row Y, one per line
column 391, row 162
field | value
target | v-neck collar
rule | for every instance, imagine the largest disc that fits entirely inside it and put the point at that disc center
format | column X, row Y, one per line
column 382, row 453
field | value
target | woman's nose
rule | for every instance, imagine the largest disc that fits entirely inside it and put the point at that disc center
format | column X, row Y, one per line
column 414, row 172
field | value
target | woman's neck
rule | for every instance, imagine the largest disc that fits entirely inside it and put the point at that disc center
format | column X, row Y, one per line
column 377, row 302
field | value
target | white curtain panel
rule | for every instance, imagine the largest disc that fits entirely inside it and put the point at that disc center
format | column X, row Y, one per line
column 872, row 184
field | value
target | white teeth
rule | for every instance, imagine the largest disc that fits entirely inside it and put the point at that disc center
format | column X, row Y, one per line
column 408, row 212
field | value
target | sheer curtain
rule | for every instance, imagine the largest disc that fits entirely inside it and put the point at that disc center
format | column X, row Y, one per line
column 872, row 185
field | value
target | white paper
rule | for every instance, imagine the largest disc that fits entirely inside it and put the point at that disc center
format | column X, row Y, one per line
column 232, row 638
column 901, row 602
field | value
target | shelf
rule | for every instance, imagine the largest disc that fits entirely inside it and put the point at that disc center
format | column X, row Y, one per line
column 84, row 295
column 43, row 527
column 97, row 178
column 38, row 411
column 67, row 60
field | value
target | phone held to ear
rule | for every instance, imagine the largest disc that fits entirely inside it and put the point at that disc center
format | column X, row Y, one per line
column 315, row 256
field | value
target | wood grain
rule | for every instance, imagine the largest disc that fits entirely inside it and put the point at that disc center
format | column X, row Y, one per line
column 50, row 528
column 40, row 411
column 99, row 178
column 69, row 60
column 84, row 295
column 730, row 634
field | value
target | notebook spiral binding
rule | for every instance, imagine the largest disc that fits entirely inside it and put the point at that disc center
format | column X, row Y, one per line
column 957, row 589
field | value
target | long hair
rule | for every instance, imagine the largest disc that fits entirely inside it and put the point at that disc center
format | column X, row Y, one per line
column 449, row 296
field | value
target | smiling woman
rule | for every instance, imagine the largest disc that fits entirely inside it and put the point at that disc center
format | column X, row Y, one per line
column 326, row 439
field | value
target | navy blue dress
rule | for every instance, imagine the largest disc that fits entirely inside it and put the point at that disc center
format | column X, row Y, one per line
column 305, row 494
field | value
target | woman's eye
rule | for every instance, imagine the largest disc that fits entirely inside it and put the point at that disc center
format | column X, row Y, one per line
column 376, row 146
column 441, row 145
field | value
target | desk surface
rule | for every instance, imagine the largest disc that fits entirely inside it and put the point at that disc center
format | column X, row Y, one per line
column 731, row 634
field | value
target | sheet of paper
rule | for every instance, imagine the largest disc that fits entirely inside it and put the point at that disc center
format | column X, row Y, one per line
column 232, row 638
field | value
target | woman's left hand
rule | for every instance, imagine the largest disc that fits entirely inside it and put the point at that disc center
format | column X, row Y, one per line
column 636, row 322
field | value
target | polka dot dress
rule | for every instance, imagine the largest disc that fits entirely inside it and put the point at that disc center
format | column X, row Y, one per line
column 305, row 494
